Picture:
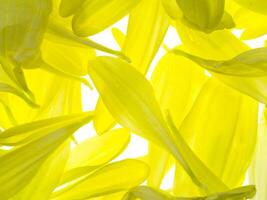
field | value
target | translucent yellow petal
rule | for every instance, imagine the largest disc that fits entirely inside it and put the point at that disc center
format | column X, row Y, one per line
column 31, row 131
column 20, row 39
column 160, row 161
column 252, row 23
column 222, row 45
column 146, row 193
column 114, row 177
column 207, row 15
column 177, row 82
column 67, row 58
column 130, row 99
column 258, row 170
column 100, row 149
column 49, row 91
column 172, row 8
column 96, row 15
column 225, row 117
column 68, row 8
column 48, row 176
column 255, row 5
column 20, row 165
column 58, row 33
column 103, row 120
column 249, row 63
column 147, row 26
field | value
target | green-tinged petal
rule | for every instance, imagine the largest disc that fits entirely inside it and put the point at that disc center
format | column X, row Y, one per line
column 15, row 75
column 259, row 6
column 111, row 178
column 68, row 7
column 219, row 45
column 130, row 99
column 56, row 96
column 206, row 15
column 48, row 176
column 59, row 34
column 249, row 63
column 20, row 39
column 229, row 120
column 172, row 9
column 69, row 59
column 96, row 15
column 103, row 120
column 222, row 45
column 100, row 149
column 146, row 193
column 9, row 89
column 177, row 82
column 20, row 165
column 31, row 131
column 147, row 26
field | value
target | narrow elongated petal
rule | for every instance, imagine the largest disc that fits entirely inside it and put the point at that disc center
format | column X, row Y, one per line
column 226, row 117
column 222, row 45
column 114, row 177
column 100, row 149
column 25, row 161
column 146, row 193
column 103, row 120
column 96, row 15
column 48, row 176
column 249, row 63
column 147, row 26
column 177, row 82
column 59, row 34
column 130, row 99
column 31, row 131
column 49, row 91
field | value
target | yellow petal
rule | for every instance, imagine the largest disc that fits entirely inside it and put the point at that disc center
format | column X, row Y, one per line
column 103, row 120
column 100, row 149
column 24, row 162
column 26, row 133
column 48, row 176
column 147, row 26
column 207, row 15
column 96, row 15
column 258, row 170
column 255, row 5
column 68, row 8
column 111, row 178
column 130, row 99
column 225, row 117
column 146, row 193
column 222, row 45
column 249, row 63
